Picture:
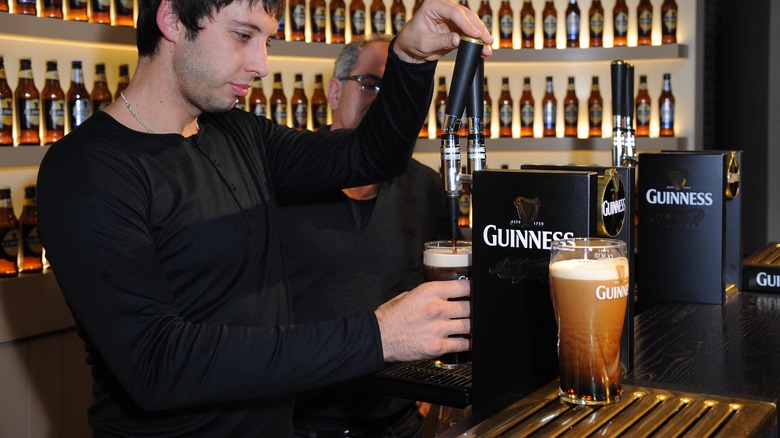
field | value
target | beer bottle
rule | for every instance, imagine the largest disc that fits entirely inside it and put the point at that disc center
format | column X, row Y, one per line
column 505, row 110
column 101, row 12
column 487, row 109
column 526, row 110
column 441, row 104
column 666, row 108
column 77, row 10
column 644, row 20
column 9, row 233
column 28, row 113
column 378, row 17
column 281, row 27
column 549, row 24
column 485, row 13
column 79, row 105
column 505, row 25
column 643, row 105
column 317, row 16
column 101, row 96
column 424, row 130
column 25, row 7
column 549, row 109
column 338, row 21
column 572, row 24
column 3, row 5
column 595, row 109
column 620, row 23
column 571, row 110
column 278, row 101
column 669, row 22
column 6, row 109
column 398, row 14
column 52, row 9
column 464, row 204
column 298, row 20
column 257, row 101
column 464, row 3
column 30, row 249
column 527, row 25
column 300, row 104
column 416, row 6
column 596, row 24
column 319, row 104
column 53, row 101
column 122, row 80
column 357, row 18
column 123, row 13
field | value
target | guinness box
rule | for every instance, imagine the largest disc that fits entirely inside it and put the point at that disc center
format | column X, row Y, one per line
column 761, row 270
column 689, row 237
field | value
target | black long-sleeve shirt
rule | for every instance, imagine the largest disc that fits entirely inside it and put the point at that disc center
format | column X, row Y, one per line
column 167, row 251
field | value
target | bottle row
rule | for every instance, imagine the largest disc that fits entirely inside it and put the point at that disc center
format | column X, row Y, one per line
column 21, row 245
column 113, row 12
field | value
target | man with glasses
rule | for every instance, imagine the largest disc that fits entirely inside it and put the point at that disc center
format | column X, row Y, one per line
column 352, row 249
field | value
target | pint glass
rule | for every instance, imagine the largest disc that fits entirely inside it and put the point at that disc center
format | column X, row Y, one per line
column 447, row 260
column 589, row 288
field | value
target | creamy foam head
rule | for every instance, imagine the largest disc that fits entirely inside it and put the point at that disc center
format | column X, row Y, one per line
column 590, row 269
column 446, row 257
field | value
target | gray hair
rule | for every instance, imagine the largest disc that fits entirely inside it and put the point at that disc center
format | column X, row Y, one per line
column 347, row 59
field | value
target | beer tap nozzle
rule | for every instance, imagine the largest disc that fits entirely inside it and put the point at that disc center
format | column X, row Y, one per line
column 619, row 71
column 629, row 157
column 475, row 114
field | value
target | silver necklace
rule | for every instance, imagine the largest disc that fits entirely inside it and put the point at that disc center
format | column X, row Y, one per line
column 130, row 108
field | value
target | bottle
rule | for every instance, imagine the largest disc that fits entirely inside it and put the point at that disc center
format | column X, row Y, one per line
column 6, row 109
column 319, row 104
column 300, row 104
column 28, row 113
column 424, row 130
column 4, row 6
column 643, row 105
column 79, row 105
column 257, row 101
column 666, row 108
column 441, row 104
column 357, row 18
column 9, row 235
column 464, row 204
column 52, row 9
column 549, row 109
column 101, row 12
column 338, row 21
column 505, row 110
column 526, row 110
column 123, row 80
column 378, row 17
column 505, row 25
column 572, row 24
column 596, row 24
column 297, row 20
column 25, row 7
column 278, row 101
column 416, row 6
column 669, row 22
column 317, row 16
column 123, row 13
column 644, row 23
column 485, row 13
column 101, row 96
column 620, row 23
column 77, row 10
column 464, row 3
column 527, row 25
column 53, row 102
column 30, row 249
column 281, row 27
column 398, row 14
column 487, row 109
column 571, row 110
column 549, row 24
column 595, row 109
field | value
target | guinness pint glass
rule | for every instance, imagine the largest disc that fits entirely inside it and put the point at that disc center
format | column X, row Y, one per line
column 589, row 287
column 447, row 260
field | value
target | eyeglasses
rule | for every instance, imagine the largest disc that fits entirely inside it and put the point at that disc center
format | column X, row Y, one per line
column 367, row 83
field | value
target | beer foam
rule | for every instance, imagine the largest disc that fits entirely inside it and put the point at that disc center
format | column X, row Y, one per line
column 446, row 258
column 590, row 269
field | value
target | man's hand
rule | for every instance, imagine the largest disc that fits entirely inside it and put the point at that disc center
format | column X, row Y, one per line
column 416, row 324
column 436, row 29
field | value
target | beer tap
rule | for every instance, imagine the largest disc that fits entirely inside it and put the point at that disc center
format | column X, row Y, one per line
column 623, row 138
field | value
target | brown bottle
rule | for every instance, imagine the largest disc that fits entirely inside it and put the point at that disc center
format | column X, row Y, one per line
column 101, row 96
column 6, row 109
column 300, row 104
column 53, row 102
column 571, row 110
column 424, row 130
column 549, row 109
column 596, row 24
column 485, row 13
column 123, row 80
column 643, row 105
column 28, row 113
column 464, row 3
column 77, row 10
column 644, row 23
column 441, row 104
column 79, row 104
column 666, row 108
column 281, row 27
column 338, row 21
column 416, row 6
column 505, row 25
column 620, row 23
column 9, row 235
column 572, row 24
column 4, row 6
column 278, row 101
column 398, row 16
column 357, row 18
column 527, row 25
column 464, row 204
column 257, row 102
column 297, row 20
column 505, row 110
column 549, row 24
column 595, row 109
column 487, row 109
column 30, row 249
column 25, row 7
column 526, row 110
column 123, row 13
column 319, row 104
column 669, row 22
column 378, row 17
column 317, row 14
column 52, row 9
column 101, row 12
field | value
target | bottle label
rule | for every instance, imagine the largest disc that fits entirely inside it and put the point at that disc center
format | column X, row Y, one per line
column 464, row 204
column 505, row 114
column 300, row 115
column 320, row 113
column 621, row 24
column 318, row 20
column 595, row 114
column 298, row 15
column 359, row 22
column 259, row 109
column 573, row 27
column 669, row 22
column 52, row 75
column 378, row 21
column 528, row 26
column 488, row 113
column 30, row 114
column 643, row 114
column 6, row 113
column 101, row 6
column 667, row 115
column 124, row 7
column 549, row 115
column 570, row 114
column 645, row 27
column 31, row 242
column 54, row 114
column 25, row 74
column 505, row 26
column 280, row 113
column 399, row 20
column 10, row 244
column 79, row 112
column 488, row 21
column 440, row 110
column 77, row 4
column 527, row 115
column 550, row 26
column 338, row 21
column 596, row 25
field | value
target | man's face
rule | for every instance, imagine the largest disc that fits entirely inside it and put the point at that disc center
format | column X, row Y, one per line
column 348, row 102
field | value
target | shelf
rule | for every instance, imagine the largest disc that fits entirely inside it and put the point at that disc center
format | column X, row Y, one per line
column 21, row 156
column 15, row 26
column 554, row 144
column 591, row 54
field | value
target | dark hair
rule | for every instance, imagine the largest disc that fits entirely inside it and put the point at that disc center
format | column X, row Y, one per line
column 191, row 13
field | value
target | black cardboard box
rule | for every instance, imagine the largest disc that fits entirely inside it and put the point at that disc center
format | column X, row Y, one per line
column 761, row 270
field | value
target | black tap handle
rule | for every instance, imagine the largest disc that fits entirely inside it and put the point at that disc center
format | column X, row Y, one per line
column 619, row 73
column 469, row 55
column 475, row 103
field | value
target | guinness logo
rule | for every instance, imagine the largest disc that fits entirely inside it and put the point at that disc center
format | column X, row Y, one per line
column 527, row 210
column 611, row 213
column 679, row 179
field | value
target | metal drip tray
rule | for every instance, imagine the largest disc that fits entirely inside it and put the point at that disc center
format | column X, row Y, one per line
column 423, row 381
column 642, row 412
